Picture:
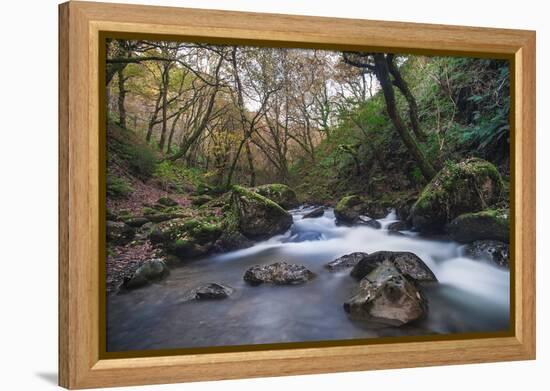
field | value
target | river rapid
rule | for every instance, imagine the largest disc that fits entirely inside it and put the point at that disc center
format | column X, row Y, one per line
column 471, row 296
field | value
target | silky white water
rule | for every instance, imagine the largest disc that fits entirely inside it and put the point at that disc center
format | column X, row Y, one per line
column 471, row 296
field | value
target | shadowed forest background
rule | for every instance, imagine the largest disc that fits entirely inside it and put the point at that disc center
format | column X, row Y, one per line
column 393, row 167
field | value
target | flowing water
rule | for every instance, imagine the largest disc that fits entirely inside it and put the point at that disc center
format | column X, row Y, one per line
column 471, row 296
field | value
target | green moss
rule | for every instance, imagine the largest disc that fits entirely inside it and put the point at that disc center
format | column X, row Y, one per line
column 244, row 192
column 348, row 202
column 501, row 216
column 486, row 224
column 459, row 188
column 206, row 231
column 273, row 188
column 125, row 213
column 279, row 193
column 148, row 211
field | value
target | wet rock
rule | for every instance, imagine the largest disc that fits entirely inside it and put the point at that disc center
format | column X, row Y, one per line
column 368, row 222
column 490, row 250
column 278, row 193
column 212, row 291
column 406, row 263
column 119, row 233
column 398, row 226
column 257, row 217
column 387, row 297
column 403, row 208
column 469, row 186
column 349, row 209
column 317, row 212
column 489, row 224
column 233, row 240
column 346, row 261
column 150, row 271
column 279, row 273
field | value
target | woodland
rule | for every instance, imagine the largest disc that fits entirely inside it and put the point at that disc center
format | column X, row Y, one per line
column 396, row 166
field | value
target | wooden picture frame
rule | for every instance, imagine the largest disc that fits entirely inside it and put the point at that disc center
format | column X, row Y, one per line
column 81, row 24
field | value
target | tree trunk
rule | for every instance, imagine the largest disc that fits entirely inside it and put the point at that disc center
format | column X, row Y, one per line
column 187, row 143
column 234, row 164
column 250, row 164
column 400, row 83
column 153, row 119
column 382, row 73
column 172, row 130
column 165, row 81
column 121, row 98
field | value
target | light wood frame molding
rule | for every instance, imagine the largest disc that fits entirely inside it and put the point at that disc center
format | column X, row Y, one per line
column 80, row 24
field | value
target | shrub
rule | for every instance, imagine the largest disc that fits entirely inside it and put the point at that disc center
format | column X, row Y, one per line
column 141, row 159
column 118, row 187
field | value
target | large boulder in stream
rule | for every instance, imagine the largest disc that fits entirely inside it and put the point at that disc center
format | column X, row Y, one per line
column 489, row 250
column 407, row 263
column 465, row 187
column 150, row 271
column 387, row 297
column 350, row 209
column 346, row 261
column 279, row 273
column 278, row 193
column 258, row 217
column 489, row 224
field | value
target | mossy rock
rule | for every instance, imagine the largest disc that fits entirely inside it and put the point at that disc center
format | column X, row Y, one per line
column 350, row 208
column 167, row 201
column 279, row 193
column 465, row 187
column 489, row 224
column 256, row 216
column 119, row 233
column 201, row 199
column 136, row 222
column 150, row 271
column 187, row 238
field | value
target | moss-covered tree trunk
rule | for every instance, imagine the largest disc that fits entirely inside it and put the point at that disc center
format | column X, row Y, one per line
column 382, row 74
column 400, row 83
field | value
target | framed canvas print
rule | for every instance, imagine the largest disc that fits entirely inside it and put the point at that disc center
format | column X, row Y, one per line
column 247, row 195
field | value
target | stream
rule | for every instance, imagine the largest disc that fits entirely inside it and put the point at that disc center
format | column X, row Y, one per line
column 471, row 296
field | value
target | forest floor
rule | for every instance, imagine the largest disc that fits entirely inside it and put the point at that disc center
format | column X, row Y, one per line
column 124, row 259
